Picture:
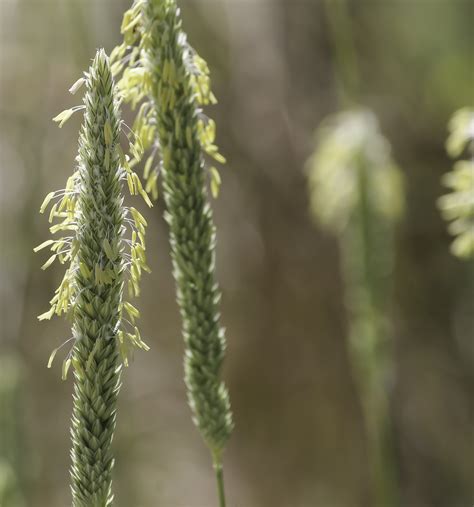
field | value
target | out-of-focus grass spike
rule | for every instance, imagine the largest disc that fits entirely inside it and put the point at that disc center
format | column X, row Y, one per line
column 356, row 192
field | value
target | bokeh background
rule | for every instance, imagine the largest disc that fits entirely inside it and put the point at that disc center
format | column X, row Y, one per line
column 299, row 439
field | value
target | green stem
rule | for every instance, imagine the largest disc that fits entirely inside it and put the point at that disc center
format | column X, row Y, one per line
column 346, row 57
column 368, row 342
column 370, row 346
column 220, row 481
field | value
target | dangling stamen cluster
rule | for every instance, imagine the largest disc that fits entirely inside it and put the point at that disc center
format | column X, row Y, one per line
column 67, row 206
column 136, row 87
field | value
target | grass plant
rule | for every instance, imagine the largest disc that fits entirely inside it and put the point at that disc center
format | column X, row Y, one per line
column 100, row 259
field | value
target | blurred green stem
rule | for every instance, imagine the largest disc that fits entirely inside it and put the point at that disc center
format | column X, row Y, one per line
column 377, row 411
column 220, row 481
column 370, row 345
column 369, row 341
column 346, row 58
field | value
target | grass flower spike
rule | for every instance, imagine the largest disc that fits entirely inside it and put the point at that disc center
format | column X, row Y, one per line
column 356, row 192
column 349, row 144
column 99, row 255
column 163, row 74
column 458, row 206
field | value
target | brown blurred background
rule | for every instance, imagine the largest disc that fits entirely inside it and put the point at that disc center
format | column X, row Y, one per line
column 299, row 439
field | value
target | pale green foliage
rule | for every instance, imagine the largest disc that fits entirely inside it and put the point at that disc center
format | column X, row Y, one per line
column 168, row 82
column 346, row 144
column 457, row 207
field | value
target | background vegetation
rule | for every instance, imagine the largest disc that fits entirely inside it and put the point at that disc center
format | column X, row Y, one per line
column 299, row 439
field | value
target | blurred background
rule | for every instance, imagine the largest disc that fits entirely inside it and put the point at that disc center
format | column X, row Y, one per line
column 300, row 439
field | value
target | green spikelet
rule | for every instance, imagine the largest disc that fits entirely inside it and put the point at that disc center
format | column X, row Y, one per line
column 92, row 208
column 457, row 207
column 171, row 82
column 190, row 219
column 97, row 313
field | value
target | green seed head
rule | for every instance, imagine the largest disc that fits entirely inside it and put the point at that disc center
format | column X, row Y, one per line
column 348, row 144
column 100, row 259
column 168, row 83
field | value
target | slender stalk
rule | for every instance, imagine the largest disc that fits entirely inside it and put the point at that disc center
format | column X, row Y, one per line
column 220, row 480
column 368, row 291
column 346, row 56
